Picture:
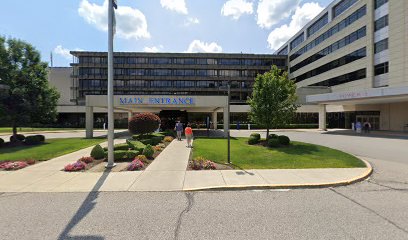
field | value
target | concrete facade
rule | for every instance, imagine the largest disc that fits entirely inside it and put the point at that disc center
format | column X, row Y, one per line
column 383, row 21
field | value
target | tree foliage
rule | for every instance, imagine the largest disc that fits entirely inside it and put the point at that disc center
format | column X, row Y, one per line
column 144, row 123
column 30, row 98
column 273, row 100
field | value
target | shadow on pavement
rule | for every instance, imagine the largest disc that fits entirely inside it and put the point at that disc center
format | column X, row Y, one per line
column 86, row 207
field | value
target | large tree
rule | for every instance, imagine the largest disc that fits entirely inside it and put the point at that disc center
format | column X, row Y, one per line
column 273, row 100
column 30, row 98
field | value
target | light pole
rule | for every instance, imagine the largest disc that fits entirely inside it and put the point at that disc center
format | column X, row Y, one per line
column 111, row 132
column 228, row 123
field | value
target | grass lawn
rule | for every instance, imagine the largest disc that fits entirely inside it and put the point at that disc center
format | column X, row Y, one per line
column 298, row 155
column 50, row 149
column 29, row 129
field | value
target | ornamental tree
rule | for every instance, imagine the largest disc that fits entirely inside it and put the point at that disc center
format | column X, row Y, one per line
column 29, row 97
column 273, row 100
column 144, row 123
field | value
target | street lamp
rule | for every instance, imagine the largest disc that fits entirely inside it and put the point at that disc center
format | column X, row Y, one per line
column 228, row 120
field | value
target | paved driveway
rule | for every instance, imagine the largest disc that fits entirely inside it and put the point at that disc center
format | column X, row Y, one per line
column 374, row 209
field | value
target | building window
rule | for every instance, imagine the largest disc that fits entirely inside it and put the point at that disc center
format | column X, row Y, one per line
column 229, row 62
column 346, row 78
column 381, row 68
column 381, row 46
column 379, row 3
column 330, row 49
column 160, row 60
column 332, row 31
column 318, row 25
column 342, row 7
column 298, row 40
column 284, row 51
column 381, row 23
column 349, row 58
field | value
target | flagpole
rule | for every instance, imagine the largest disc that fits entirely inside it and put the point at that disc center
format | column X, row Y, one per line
column 111, row 160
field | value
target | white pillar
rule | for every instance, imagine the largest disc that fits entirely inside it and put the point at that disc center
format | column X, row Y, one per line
column 322, row 117
column 89, row 122
column 130, row 115
column 214, row 120
column 226, row 120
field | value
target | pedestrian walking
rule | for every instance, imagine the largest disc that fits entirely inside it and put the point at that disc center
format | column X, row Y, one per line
column 189, row 135
column 367, row 127
column 179, row 129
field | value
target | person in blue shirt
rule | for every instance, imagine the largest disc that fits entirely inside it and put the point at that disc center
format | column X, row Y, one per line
column 179, row 129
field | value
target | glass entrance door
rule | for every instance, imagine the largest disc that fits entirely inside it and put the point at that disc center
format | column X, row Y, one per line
column 372, row 119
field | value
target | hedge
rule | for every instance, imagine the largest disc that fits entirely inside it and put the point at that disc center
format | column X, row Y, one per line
column 135, row 145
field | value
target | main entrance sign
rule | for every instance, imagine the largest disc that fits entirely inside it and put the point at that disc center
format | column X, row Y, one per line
column 157, row 101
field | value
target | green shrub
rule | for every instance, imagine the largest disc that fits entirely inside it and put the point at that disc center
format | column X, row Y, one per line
column 151, row 141
column 170, row 133
column 284, row 140
column 97, row 152
column 273, row 136
column 119, row 154
column 135, row 145
column 32, row 140
column 148, row 151
column 256, row 136
column 122, row 146
column 253, row 140
column 131, row 154
column 273, row 142
column 41, row 138
column 1, row 142
column 19, row 138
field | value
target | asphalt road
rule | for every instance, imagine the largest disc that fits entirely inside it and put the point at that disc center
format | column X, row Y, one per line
column 373, row 209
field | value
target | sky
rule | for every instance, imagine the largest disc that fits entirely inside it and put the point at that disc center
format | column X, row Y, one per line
column 229, row 26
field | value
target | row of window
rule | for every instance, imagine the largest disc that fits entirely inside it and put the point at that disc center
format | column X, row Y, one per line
column 284, row 51
column 133, row 84
column 379, row 3
column 349, row 58
column 381, row 68
column 318, row 25
column 86, row 72
column 342, row 7
column 332, row 48
column 236, row 96
column 184, row 61
column 346, row 78
column 297, row 41
column 381, row 23
column 333, row 30
column 381, row 46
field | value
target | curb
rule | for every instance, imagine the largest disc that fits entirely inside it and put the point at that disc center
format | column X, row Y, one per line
column 357, row 179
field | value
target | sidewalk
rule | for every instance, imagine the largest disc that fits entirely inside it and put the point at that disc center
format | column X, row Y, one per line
column 168, row 173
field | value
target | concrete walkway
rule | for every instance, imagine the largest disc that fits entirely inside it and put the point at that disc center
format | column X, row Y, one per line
column 167, row 173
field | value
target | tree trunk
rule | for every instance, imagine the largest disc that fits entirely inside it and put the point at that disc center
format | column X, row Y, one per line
column 14, row 130
column 267, row 134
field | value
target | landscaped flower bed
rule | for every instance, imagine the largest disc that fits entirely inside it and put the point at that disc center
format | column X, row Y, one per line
column 15, row 165
column 134, row 155
column 200, row 163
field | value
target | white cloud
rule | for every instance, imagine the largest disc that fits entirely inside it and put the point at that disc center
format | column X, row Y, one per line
column 64, row 52
column 191, row 21
column 178, row 6
column 153, row 49
column 198, row 46
column 130, row 22
column 301, row 17
column 270, row 12
column 236, row 8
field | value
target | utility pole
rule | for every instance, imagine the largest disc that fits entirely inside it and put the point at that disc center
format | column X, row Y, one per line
column 111, row 127
column 228, row 123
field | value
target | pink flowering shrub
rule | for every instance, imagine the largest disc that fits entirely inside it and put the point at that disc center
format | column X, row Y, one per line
column 86, row 159
column 11, row 166
column 200, row 163
column 135, row 165
column 74, row 167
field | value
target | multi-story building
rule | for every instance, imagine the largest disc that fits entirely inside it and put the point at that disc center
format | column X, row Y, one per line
column 199, row 76
column 356, row 53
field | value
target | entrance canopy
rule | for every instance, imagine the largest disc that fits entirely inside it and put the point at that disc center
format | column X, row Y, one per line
column 157, row 103
column 154, row 103
column 369, row 96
